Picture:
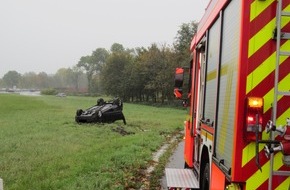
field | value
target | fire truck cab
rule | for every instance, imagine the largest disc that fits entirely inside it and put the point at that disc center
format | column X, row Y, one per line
column 239, row 80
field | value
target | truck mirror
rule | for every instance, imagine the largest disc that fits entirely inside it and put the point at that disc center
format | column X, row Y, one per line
column 178, row 82
column 179, row 72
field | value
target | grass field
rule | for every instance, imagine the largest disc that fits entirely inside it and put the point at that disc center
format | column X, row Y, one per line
column 41, row 146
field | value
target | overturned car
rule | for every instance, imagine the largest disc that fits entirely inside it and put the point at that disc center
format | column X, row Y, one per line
column 102, row 112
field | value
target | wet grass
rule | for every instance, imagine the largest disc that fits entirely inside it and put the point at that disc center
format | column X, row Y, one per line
column 41, row 146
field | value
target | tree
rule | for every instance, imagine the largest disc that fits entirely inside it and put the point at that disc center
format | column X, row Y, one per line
column 28, row 80
column 42, row 80
column 76, row 77
column 1, row 83
column 99, row 57
column 86, row 63
column 183, row 40
column 12, row 79
column 159, row 66
column 61, row 78
column 141, row 73
column 117, row 48
column 92, row 64
column 114, row 76
column 166, row 74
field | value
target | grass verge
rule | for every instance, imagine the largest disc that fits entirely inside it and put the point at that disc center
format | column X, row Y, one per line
column 41, row 146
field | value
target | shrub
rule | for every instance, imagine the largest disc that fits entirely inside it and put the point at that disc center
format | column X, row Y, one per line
column 49, row 91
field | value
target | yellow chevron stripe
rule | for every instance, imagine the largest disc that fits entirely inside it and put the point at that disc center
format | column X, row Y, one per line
column 284, row 185
column 254, row 79
column 258, row 178
column 282, row 119
column 249, row 152
column 268, row 98
column 265, row 34
column 262, row 71
column 259, row 39
column 257, row 7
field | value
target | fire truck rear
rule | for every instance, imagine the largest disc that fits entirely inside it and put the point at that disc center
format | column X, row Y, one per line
column 237, row 132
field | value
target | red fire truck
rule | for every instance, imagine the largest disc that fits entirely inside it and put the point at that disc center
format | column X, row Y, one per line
column 236, row 131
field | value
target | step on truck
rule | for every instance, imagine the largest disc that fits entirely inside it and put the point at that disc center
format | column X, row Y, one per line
column 237, row 90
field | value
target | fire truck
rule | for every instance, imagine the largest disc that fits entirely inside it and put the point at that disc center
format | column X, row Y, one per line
column 237, row 131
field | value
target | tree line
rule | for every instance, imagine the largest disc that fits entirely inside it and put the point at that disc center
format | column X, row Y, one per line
column 64, row 78
column 139, row 74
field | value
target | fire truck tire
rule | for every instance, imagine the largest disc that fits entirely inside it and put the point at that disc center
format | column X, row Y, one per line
column 205, row 177
column 186, row 166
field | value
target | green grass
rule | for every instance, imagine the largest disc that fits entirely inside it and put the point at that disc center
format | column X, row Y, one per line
column 41, row 146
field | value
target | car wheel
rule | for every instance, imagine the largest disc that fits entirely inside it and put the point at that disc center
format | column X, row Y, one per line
column 79, row 112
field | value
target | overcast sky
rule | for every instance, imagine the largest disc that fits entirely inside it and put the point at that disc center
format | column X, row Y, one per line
column 46, row 35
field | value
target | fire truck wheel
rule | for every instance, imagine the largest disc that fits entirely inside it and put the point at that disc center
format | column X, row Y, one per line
column 205, row 177
column 186, row 166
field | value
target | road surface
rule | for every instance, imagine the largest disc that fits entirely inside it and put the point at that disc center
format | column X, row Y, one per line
column 175, row 161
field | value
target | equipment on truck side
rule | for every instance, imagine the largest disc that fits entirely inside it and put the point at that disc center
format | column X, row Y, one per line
column 237, row 92
column 102, row 112
column 283, row 145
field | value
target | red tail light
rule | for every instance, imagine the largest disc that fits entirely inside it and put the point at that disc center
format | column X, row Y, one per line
column 254, row 117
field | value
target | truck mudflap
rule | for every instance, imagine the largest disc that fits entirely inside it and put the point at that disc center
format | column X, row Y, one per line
column 180, row 179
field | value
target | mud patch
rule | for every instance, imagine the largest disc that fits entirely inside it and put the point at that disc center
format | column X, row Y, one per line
column 121, row 130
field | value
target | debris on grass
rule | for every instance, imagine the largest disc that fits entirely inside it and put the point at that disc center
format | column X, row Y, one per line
column 121, row 130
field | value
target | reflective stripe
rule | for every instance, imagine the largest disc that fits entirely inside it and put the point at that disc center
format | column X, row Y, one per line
column 211, row 75
column 262, row 71
column 261, row 67
column 265, row 34
column 206, row 134
column 268, row 98
column 283, row 117
column 253, row 183
column 259, row 39
column 249, row 152
column 257, row 7
column 284, row 185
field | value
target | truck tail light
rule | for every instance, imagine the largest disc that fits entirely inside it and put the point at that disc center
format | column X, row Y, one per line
column 254, row 119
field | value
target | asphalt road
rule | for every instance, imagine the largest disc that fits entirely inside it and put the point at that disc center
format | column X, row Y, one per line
column 175, row 161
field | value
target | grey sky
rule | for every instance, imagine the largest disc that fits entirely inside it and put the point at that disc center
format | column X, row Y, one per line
column 45, row 35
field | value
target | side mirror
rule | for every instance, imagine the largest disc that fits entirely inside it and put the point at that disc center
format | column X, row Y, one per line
column 178, row 82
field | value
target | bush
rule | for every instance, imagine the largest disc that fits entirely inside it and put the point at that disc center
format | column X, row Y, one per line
column 49, row 91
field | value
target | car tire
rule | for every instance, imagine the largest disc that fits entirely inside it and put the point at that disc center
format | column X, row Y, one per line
column 79, row 112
